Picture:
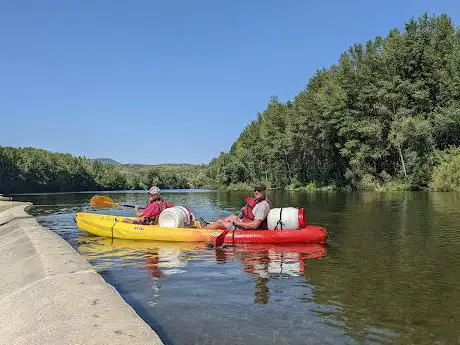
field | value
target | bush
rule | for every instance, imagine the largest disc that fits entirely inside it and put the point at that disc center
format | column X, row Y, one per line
column 368, row 183
column 396, row 185
column 239, row 186
column 313, row 187
column 446, row 176
column 295, row 185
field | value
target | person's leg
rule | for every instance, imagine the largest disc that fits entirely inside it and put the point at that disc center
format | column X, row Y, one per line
column 218, row 224
column 222, row 223
column 130, row 221
column 230, row 218
column 221, row 226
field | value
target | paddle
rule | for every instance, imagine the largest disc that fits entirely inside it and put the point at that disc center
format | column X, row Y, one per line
column 105, row 201
column 220, row 239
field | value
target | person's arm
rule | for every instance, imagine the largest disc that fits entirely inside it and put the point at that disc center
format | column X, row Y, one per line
column 252, row 225
column 139, row 212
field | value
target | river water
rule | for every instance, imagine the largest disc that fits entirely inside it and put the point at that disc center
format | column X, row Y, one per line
column 390, row 273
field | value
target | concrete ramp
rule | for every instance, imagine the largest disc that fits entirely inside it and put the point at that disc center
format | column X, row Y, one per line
column 49, row 294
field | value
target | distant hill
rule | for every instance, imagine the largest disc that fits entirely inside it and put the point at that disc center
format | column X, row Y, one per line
column 164, row 165
column 174, row 167
column 168, row 175
column 108, row 161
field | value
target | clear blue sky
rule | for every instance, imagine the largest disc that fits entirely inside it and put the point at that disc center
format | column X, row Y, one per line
column 169, row 81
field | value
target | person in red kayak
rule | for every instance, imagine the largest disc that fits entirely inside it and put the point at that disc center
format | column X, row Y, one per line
column 150, row 214
column 253, row 216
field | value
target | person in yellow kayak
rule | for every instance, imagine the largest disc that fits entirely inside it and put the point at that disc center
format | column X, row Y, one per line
column 150, row 214
column 253, row 216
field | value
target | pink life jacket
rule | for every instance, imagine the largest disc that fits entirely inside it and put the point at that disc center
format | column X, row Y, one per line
column 162, row 205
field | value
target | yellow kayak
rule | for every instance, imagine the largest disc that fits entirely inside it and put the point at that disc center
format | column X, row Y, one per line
column 114, row 227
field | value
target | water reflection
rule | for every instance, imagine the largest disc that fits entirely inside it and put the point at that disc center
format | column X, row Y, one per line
column 261, row 261
column 268, row 261
column 396, row 271
column 158, row 257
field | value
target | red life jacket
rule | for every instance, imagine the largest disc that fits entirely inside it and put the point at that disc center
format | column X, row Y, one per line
column 248, row 216
column 163, row 205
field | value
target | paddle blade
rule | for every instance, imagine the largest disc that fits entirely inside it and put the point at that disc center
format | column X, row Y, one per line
column 102, row 201
column 220, row 239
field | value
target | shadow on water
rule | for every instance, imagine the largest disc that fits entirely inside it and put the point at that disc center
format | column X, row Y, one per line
column 389, row 274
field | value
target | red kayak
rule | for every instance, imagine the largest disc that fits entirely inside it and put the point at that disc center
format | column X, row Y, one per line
column 310, row 233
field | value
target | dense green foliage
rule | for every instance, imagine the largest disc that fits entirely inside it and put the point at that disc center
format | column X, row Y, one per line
column 446, row 175
column 377, row 119
column 165, row 175
column 36, row 170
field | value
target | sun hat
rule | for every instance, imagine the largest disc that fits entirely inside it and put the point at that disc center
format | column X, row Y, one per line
column 154, row 190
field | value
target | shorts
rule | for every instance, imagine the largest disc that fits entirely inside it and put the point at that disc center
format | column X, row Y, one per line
column 231, row 226
column 142, row 222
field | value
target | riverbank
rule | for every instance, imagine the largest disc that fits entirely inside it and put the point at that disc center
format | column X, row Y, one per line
column 51, row 295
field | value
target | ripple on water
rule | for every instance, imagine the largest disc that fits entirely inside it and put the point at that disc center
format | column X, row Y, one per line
column 388, row 276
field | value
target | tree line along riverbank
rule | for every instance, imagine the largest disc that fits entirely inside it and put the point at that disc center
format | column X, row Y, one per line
column 386, row 116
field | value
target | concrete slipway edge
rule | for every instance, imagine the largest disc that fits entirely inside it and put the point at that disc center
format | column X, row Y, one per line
column 49, row 294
